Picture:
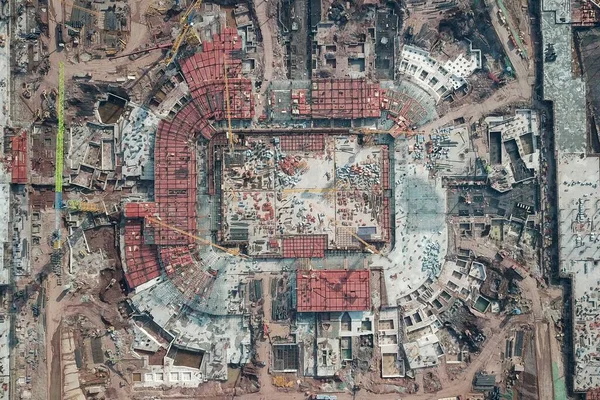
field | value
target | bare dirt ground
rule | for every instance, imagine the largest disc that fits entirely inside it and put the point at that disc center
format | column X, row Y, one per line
column 103, row 69
column 272, row 50
column 518, row 90
column 56, row 371
column 542, row 339
column 520, row 65
column 544, row 360
column 267, row 388
column 513, row 92
column 62, row 305
column 261, row 7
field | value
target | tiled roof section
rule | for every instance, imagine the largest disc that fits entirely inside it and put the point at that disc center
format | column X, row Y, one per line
column 175, row 257
column 140, row 210
column 304, row 246
column 19, row 158
column 141, row 263
column 175, row 166
column 315, row 142
column 333, row 290
column 175, row 186
column 204, row 73
column 346, row 98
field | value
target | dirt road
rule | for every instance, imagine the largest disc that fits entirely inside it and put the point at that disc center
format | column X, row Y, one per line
column 53, row 356
column 267, row 38
column 543, row 341
column 525, row 76
column 520, row 89
column 543, row 356
column 263, row 349
column 103, row 69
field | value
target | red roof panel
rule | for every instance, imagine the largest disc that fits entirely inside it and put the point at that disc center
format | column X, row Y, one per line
column 308, row 246
column 141, row 261
column 19, row 158
column 333, row 290
column 140, row 210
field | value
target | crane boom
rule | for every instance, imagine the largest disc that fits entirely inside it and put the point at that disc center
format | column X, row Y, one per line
column 227, row 105
column 312, row 190
column 58, row 171
column 160, row 46
column 233, row 252
column 185, row 23
column 370, row 248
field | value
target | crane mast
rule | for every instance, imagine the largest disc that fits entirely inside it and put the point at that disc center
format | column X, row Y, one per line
column 186, row 24
column 227, row 104
column 58, row 171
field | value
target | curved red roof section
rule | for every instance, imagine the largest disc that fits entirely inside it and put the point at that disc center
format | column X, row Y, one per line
column 175, row 164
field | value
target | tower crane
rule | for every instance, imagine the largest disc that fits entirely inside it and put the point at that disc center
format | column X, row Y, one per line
column 368, row 246
column 58, row 171
column 185, row 23
column 368, row 131
column 234, row 252
column 227, row 105
column 311, row 190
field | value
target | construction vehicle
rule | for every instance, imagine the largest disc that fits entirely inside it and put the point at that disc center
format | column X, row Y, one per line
column 234, row 252
column 369, row 247
column 186, row 23
column 60, row 43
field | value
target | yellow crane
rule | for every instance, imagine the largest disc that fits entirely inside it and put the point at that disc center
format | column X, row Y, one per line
column 227, row 105
column 369, row 247
column 58, row 157
column 234, row 252
column 368, row 131
column 186, row 24
column 311, row 190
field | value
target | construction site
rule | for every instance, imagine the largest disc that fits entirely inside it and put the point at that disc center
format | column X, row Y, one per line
column 299, row 199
